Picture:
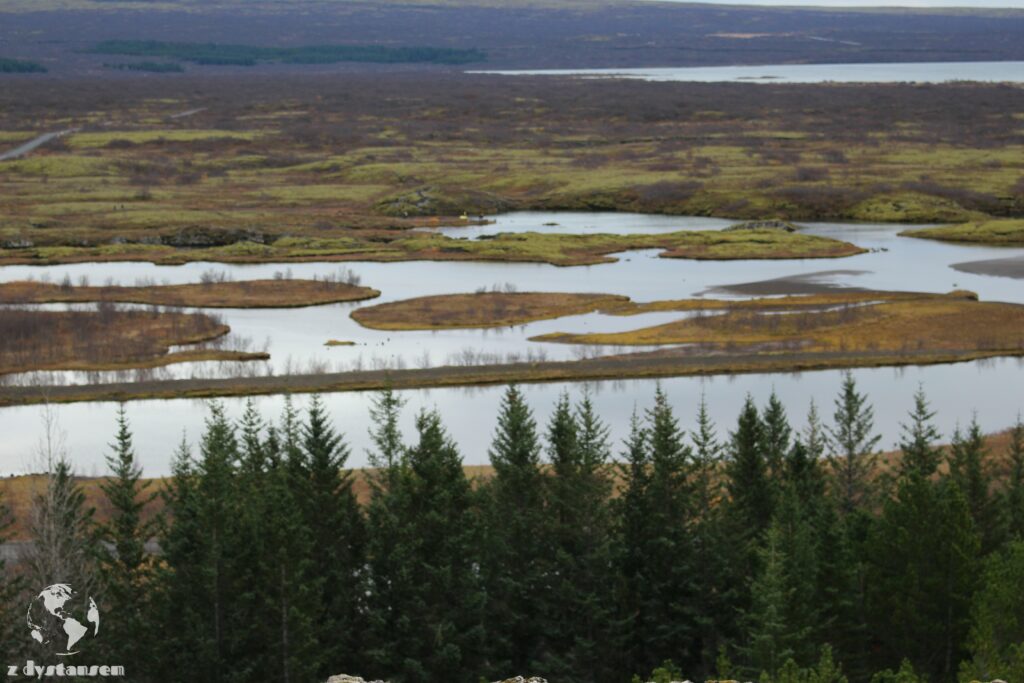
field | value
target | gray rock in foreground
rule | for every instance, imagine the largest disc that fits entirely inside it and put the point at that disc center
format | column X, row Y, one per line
column 343, row 678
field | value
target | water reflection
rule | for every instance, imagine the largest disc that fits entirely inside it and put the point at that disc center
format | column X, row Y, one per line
column 295, row 337
column 991, row 387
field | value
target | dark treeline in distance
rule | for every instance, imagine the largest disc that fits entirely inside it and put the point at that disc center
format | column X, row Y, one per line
column 150, row 67
column 20, row 66
column 687, row 550
column 250, row 55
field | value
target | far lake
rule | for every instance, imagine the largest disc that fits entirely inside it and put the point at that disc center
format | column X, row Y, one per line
column 923, row 72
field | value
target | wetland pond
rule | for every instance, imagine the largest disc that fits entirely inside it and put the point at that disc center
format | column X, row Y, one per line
column 295, row 338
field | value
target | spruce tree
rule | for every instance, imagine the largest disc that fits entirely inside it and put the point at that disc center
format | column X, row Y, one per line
column 386, row 435
column 750, row 490
column 1014, row 497
column 854, row 444
column 670, row 610
column 428, row 602
column 126, row 566
column 996, row 639
column 770, row 637
column 332, row 517
column 969, row 468
column 716, row 576
column 655, row 544
column 920, row 455
column 632, row 514
column 921, row 576
column 196, row 581
column 776, row 437
column 291, row 583
column 516, row 556
column 578, row 613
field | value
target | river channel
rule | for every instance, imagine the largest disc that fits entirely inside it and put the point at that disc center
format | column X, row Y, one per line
column 295, row 338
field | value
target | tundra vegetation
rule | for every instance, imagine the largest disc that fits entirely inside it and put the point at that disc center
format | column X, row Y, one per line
column 301, row 168
column 212, row 292
column 1004, row 233
column 839, row 329
column 749, row 551
column 107, row 338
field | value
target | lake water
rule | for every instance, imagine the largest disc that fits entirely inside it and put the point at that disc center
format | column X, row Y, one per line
column 295, row 337
column 914, row 72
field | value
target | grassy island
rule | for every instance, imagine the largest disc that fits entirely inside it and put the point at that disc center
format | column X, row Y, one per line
column 845, row 323
column 1000, row 233
column 367, row 245
column 106, row 339
column 227, row 294
column 483, row 309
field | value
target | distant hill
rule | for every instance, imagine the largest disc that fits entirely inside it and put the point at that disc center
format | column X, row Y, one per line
column 529, row 34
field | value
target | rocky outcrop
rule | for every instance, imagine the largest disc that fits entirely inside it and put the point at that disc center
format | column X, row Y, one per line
column 212, row 237
column 784, row 226
column 439, row 201
column 342, row 678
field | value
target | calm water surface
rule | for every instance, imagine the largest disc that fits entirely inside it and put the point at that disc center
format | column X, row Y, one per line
column 920, row 72
column 295, row 337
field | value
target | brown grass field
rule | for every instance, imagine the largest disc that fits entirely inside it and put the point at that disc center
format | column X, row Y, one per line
column 17, row 492
column 106, row 339
column 874, row 322
column 246, row 294
column 484, row 309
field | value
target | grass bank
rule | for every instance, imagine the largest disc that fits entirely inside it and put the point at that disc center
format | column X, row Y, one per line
column 228, row 294
column 480, row 310
column 106, row 339
column 857, row 323
column 626, row 366
column 1003, row 233
column 555, row 249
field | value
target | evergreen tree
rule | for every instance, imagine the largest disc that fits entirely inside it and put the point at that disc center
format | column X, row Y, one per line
column 776, row 437
column 715, row 576
column 996, row 639
column 659, row 551
column 275, row 596
column 632, row 513
column 386, row 433
column 922, row 575
column 196, row 583
column 854, row 445
column 516, row 557
column 815, row 438
column 827, row 671
column 969, row 468
column 1014, row 497
column 920, row 455
column 125, row 565
column 578, row 614
column 770, row 637
column 747, row 474
column 302, row 637
column 428, row 602
column 334, row 521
